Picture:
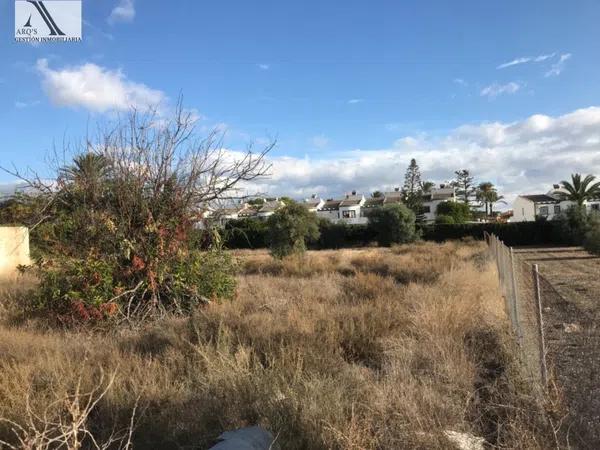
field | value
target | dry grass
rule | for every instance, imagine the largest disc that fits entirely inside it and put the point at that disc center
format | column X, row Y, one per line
column 350, row 349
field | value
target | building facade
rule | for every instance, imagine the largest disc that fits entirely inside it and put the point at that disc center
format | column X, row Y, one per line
column 527, row 208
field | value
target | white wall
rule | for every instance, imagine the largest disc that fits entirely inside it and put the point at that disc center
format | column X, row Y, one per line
column 14, row 250
column 523, row 210
column 329, row 215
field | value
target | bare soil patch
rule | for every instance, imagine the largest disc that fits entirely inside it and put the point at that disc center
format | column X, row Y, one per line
column 571, row 300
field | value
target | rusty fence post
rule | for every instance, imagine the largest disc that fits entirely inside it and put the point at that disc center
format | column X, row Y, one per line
column 540, row 324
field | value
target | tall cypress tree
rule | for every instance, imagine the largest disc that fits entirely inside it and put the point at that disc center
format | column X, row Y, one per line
column 465, row 189
column 412, row 190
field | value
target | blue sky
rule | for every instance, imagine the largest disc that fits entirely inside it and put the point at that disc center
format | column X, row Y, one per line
column 352, row 90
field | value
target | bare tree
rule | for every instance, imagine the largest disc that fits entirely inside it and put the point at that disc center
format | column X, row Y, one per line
column 134, row 192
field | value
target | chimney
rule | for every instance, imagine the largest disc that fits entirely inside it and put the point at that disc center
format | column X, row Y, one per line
column 314, row 196
column 397, row 189
column 557, row 186
column 353, row 192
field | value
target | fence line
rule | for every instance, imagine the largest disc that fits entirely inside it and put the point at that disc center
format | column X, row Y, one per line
column 520, row 287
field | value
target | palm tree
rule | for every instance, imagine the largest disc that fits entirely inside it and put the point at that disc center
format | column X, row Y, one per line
column 427, row 186
column 488, row 195
column 578, row 190
column 86, row 174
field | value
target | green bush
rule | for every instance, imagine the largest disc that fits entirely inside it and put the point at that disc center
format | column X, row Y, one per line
column 342, row 235
column 393, row 224
column 444, row 219
column 592, row 240
column 517, row 233
column 573, row 225
column 76, row 290
column 290, row 229
column 457, row 212
column 204, row 275
column 246, row 233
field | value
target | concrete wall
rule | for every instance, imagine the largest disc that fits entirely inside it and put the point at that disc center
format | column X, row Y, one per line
column 523, row 210
column 14, row 250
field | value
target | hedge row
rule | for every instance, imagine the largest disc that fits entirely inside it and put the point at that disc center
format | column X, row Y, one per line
column 518, row 233
column 250, row 233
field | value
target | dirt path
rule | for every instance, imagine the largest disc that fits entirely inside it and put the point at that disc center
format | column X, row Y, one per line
column 571, row 301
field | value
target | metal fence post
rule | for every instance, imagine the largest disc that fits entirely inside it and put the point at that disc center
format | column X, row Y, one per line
column 515, row 298
column 540, row 323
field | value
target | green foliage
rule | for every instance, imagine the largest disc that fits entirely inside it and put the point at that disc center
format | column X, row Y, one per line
column 453, row 212
column 246, row 233
column 393, row 224
column 95, row 288
column 573, row 224
column 290, row 228
column 444, row 219
column 591, row 241
column 343, row 235
column 487, row 194
column 464, row 185
column 412, row 190
column 286, row 200
column 107, row 232
column 207, row 274
column 517, row 233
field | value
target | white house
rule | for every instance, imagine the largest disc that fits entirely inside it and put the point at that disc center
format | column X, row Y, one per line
column 268, row 208
column 527, row 208
column 433, row 198
column 352, row 209
column 314, row 203
column 330, row 210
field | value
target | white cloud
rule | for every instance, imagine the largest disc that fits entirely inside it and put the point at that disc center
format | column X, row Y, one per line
column 494, row 90
column 354, row 101
column 526, row 59
column 264, row 66
column 460, row 82
column 96, row 88
column 526, row 156
column 22, row 105
column 559, row 66
column 319, row 141
column 123, row 12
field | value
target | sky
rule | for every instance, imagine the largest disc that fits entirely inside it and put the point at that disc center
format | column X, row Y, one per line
column 351, row 90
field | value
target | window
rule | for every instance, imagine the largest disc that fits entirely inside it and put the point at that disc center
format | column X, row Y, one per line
column 349, row 214
column 556, row 209
column 543, row 211
column 426, row 209
column 595, row 206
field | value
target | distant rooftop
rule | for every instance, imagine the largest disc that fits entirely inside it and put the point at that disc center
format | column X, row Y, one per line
column 373, row 202
column 331, row 205
column 351, row 200
column 540, row 198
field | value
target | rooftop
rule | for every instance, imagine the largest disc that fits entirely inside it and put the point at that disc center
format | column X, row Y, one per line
column 540, row 198
column 351, row 200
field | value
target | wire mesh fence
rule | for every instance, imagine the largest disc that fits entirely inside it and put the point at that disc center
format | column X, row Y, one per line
column 521, row 287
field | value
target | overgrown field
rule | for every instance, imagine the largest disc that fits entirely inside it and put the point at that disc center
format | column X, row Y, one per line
column 349, row 349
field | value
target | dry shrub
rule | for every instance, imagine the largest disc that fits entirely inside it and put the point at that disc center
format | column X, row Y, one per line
column 321, row 359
